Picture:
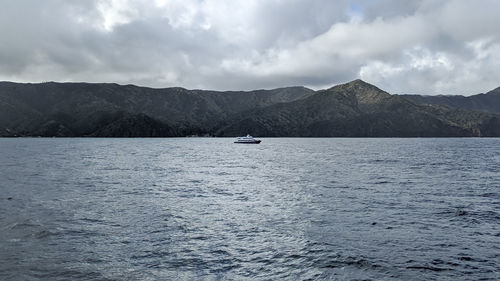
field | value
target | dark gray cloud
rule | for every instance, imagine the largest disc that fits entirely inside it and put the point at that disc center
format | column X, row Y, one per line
column 421, row 46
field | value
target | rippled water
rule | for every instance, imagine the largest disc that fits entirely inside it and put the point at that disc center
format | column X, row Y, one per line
column 204, row 208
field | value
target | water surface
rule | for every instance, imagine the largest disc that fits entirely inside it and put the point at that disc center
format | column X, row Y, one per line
column 288, row 208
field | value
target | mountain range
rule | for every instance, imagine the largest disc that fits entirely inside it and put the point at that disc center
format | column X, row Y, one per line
column 354, row 109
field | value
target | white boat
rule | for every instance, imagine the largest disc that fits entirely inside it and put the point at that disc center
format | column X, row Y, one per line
column 247, row 139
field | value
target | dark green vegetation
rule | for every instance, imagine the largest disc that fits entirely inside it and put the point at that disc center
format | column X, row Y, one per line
column 489, row 102
column 355, row 109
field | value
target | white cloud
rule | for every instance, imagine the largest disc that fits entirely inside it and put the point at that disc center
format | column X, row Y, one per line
column 427, row 46
column 422, row 71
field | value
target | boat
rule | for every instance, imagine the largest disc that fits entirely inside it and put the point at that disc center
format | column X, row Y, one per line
column 247, row 139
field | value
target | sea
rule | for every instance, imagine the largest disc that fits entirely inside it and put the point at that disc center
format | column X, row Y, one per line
column 285, row 209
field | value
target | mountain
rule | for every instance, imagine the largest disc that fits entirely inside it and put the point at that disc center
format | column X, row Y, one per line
column 84, row 109
column 489, row 102
column 358, row 109
column 354, row 109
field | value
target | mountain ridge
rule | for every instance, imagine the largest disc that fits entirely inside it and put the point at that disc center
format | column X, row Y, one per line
column 353, row 109
column 488, row 102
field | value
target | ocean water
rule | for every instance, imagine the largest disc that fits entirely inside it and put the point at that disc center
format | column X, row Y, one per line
column 286, row 209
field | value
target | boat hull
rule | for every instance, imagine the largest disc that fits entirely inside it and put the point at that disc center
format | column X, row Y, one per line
column 248, row 142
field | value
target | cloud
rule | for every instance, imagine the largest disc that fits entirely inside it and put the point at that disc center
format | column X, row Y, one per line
column 422, row 46
column 422, row 71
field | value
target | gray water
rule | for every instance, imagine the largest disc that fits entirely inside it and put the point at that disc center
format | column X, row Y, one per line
column 288, row 208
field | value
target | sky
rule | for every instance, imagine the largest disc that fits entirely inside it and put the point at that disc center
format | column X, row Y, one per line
column 402, row 46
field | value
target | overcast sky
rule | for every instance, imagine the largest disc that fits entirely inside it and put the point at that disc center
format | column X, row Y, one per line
column 426, row 47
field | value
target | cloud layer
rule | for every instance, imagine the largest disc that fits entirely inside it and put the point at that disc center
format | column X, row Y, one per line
column 421, row 46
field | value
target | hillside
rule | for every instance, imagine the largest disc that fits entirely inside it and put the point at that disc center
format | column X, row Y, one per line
column 354, row 109
column 358, row 109
column 83, row 109
column 489, row 102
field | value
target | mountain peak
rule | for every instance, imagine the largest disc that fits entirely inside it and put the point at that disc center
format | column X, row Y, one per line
column 358, row 86
column 364, row 93
column 355, row 85
column 358, row 83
